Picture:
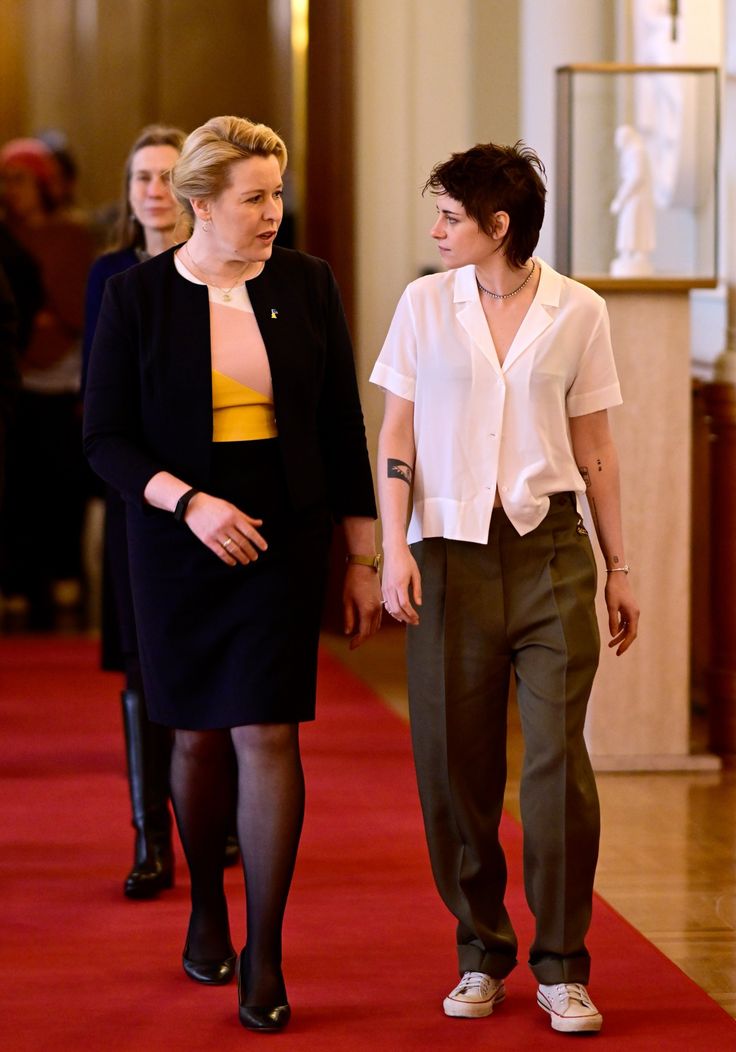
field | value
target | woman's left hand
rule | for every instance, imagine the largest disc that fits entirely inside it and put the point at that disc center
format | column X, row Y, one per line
column 361, row 603
column 623, row 612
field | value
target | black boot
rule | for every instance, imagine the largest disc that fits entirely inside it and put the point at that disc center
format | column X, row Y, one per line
column 148, row 751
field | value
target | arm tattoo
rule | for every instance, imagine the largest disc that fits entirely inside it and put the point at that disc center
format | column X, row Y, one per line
column 591, row 501
column 398, row 469
column 614, row 559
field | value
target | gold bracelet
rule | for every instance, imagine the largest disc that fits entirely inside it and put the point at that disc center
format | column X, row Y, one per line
column 374, row 561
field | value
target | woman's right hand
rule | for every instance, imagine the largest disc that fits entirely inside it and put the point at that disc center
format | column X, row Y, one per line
column 401, row 584
column 227, row 531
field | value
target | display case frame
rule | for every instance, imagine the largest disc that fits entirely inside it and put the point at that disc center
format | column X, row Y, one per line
column 619, row 125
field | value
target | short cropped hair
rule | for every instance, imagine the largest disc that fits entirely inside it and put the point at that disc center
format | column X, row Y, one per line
column 487, row 179
column 203, row 170
column 128, row 232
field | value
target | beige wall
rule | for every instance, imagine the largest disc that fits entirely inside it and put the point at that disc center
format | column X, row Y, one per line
column 431, row 77
column 495, row 99
column 552, row 35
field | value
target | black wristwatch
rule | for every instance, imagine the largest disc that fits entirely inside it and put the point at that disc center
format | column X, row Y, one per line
column 183, row 503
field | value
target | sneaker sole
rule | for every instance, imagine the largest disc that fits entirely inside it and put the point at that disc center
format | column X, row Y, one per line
column 573, row 1024
column 473, row 1010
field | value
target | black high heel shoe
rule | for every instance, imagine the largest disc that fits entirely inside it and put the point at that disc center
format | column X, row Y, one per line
column 214, row 973
column 259, row 1017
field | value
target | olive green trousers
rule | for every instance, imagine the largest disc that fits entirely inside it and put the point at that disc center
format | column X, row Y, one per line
column 527, row 604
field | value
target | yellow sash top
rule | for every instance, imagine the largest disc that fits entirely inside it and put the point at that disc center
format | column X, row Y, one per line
column 240, row 414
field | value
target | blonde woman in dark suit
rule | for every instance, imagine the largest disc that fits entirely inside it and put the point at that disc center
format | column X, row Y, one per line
column 222, row 402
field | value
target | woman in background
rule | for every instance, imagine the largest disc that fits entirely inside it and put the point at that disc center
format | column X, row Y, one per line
column 149, row 222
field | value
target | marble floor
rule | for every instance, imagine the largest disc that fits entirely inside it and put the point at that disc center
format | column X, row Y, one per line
column 668, row 848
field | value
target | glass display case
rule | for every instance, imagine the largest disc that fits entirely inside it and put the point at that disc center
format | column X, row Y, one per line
column 637, row 175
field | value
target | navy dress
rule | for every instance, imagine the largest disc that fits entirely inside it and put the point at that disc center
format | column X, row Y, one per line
column 222, row 646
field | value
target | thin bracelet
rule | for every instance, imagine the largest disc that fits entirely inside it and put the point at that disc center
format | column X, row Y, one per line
column 618, row 569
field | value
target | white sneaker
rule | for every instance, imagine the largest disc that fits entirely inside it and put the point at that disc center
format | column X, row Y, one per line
column 474, row 996
column 569, row 1007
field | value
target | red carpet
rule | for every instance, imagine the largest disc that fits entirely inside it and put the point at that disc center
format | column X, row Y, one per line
column 369, row 947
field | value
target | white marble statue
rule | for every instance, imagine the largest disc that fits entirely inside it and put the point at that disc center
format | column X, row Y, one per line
column 634, row 206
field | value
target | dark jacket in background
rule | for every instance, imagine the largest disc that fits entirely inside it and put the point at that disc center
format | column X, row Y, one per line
column 24, row 279
column 117, row 622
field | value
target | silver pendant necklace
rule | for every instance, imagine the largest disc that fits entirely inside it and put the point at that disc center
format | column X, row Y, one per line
column 504, row 295
column 225, row 293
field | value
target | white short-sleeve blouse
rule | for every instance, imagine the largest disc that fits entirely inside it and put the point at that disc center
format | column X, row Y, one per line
column 479, row 425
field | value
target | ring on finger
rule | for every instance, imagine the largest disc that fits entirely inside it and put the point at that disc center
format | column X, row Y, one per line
column 227, row 542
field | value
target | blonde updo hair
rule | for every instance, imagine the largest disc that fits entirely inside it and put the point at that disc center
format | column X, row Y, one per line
column 203, row 169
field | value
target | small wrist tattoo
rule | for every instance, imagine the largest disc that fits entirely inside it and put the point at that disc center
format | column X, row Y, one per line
column 398, row 469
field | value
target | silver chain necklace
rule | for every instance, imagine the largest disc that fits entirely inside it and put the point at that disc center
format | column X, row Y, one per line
column 504, row 295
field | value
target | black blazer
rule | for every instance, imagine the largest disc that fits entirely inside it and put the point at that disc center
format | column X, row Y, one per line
column 148, row 398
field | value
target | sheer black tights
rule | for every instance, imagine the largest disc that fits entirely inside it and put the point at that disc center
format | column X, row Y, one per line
column 270, row 792
column 270, row 815
column 203, row 786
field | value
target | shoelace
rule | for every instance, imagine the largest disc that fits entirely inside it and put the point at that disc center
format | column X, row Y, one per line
column 474, row 982
column 574, row 992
